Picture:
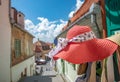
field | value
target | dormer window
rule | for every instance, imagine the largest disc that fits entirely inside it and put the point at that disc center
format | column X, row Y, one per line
column 19, row 15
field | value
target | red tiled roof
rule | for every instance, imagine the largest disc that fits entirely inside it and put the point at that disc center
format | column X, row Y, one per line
column 83, row 9
column 49, row 44
column 65, row 27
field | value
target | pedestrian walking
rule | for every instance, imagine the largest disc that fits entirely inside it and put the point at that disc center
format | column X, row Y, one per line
column 41, row 71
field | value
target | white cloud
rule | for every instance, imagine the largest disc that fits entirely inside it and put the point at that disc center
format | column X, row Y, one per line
column 77, row 6
column 45, row 30
column 30, row 24
column 71, row 14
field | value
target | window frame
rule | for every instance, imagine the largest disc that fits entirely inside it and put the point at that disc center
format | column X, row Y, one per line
column 17, row 46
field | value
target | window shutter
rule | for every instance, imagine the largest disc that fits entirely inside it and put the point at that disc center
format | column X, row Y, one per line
column 17, row 48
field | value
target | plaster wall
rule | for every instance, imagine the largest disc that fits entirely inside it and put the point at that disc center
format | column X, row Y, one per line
column 19, row 68
column 5, row 41
column 70, row 72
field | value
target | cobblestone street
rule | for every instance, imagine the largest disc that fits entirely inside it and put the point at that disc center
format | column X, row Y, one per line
column 45, row 73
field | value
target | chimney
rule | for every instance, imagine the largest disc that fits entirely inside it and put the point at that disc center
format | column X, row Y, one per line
column 13, row 15
column 20, row 19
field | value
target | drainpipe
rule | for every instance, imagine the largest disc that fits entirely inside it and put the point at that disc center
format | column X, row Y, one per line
column 95, row 21
column 11, row 25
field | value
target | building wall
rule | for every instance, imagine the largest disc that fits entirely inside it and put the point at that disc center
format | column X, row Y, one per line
column 90, row 21
column 23, row 65
column 37, row 49
column 18, row 69
column 70, row 70
column 59, row 66
column 26, row 44
column 41, row 49
column 22, row 57
column 5, row 39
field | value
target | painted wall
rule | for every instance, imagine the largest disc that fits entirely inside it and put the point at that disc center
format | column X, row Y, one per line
column 5, row 38
column 26, row 44
column 70, row 70
column 67, row 69
column 59, row 66
column 16, row 70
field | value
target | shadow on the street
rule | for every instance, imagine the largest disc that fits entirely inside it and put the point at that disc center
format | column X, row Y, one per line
column 42, row 75
column 37, row 78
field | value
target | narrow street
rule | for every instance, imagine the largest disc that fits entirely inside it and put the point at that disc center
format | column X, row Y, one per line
column 44, row 73
column 81, row 37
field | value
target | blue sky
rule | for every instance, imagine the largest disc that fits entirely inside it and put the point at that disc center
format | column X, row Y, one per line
column 45, row 18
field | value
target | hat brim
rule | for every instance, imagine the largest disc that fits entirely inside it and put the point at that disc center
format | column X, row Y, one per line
column 88, row 51
column 115, row 38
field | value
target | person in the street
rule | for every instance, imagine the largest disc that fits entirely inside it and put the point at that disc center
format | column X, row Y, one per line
column 82, row 47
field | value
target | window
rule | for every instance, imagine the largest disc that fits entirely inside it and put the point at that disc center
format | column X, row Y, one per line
column 0, row 2
column 17, row 48
column 19, row 15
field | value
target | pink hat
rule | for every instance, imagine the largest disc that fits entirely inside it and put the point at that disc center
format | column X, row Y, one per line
column 82, row 46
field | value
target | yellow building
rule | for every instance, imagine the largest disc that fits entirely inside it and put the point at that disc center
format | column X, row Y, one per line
column 21, row 47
